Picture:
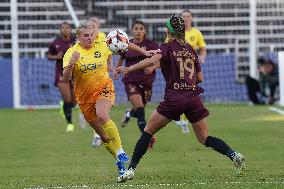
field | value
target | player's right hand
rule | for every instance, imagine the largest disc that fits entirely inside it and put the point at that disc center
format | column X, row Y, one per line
column 74, row 58
column 148, row 70
column 60, row 55
column 122, row 70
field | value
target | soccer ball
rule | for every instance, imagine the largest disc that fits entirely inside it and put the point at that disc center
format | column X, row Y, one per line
column 117, row 41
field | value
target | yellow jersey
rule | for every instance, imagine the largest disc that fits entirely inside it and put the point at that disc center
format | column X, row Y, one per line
column 194, row 37
column 102, row 36
column 90, row 73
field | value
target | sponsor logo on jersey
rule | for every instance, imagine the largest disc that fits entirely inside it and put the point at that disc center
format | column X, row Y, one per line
column 97, row 54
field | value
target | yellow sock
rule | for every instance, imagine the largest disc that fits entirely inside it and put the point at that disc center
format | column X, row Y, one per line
column 183, row 118
column 114, row 144
column 111, row 148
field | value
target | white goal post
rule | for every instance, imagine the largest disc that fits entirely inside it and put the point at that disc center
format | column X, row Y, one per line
column 16, row 57
column 281, row 76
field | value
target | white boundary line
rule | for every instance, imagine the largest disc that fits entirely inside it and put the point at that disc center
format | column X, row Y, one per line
column 163, row 184
column 277, row 110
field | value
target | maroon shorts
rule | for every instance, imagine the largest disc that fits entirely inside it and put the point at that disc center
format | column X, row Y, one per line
column 192, row 107
column 58, row 74
column 142, row 88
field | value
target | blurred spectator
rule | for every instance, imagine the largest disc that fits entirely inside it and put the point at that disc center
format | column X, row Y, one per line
column 265, row 87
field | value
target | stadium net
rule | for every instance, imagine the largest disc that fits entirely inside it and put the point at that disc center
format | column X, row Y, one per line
column 226, row 26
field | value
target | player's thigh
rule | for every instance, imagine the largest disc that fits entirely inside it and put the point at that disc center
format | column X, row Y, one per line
column 88, row 110
column 156, row 122
column 194, row 109
column 136, row 101
column 105, row 101
column 103, row 106
column 65, row 91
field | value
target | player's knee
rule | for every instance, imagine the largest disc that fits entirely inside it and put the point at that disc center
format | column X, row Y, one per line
column 104, row 138
column 102, row 116
column 151, row 129
column 202, row 140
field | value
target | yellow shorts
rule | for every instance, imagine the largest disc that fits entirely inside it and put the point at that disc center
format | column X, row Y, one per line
column 89, row 109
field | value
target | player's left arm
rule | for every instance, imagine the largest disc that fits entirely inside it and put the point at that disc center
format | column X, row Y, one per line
column 199, row 77
column 150, row 69
column 155, row 59
column 133, row 47
column 202, row 55
column 202, row 48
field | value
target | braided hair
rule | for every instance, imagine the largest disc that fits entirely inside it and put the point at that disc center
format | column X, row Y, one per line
column 176, row 26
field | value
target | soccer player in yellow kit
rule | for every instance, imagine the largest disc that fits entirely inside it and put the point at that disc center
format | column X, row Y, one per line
column 101, row 36
column 87, row 63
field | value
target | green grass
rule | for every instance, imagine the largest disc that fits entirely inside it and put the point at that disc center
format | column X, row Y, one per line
column 36, row 152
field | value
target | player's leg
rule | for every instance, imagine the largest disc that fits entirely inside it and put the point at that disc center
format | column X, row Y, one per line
column 103, row 107
column 130, row 89
column 104, row 127
column 184, row 124
column 201, row 131
column 88, row 111
column 138, row 108
column 155, row 123
column 68, row 104
column 197, row 114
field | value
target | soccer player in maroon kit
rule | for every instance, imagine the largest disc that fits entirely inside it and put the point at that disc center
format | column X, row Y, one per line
column 138, row 85
column 182, row 72
column 56, row 52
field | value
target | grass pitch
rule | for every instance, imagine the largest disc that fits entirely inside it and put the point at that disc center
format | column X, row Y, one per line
column 36, row 152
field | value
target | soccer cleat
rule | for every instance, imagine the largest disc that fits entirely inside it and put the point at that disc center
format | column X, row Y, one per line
column 239, row 162
column 184, row 128
column 178, row 123
column 128, row 175
column 97, row 141
column 152, row 142
column 121, row 171
column 125, row 119
column 70, row 127
column 61, row 110
column 122, row 157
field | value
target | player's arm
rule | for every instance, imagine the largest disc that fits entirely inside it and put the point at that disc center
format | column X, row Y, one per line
column 141, row 65
column 58, row 56
column 52, row 55
column 133, row 47
column 202, row 47
column 199, row 77
column 111, row 68
column 68, row 70
column 120, row 61
column 150, row 69
column 202, row 55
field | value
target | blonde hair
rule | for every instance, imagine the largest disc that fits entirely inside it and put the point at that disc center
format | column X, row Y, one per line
column 81, row 27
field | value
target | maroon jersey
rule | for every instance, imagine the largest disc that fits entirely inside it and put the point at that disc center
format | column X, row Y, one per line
column 179, row 66
column 133, row 57
column 59, row 45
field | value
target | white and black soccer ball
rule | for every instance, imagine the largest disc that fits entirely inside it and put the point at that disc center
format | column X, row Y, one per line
column 117, row 41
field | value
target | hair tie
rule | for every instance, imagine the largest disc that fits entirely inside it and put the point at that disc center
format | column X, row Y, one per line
column 169, row 26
